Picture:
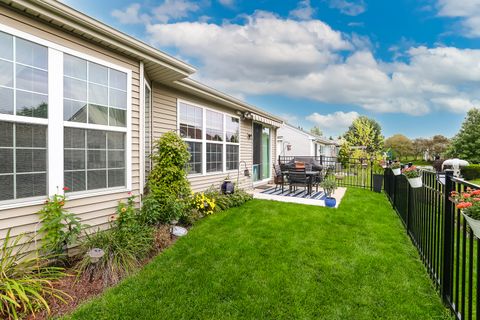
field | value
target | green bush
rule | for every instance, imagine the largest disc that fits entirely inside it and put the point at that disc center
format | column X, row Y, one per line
column 471, row 172
column 125, row 244
column 225, row 201
column 25, row 279
column 167, row 188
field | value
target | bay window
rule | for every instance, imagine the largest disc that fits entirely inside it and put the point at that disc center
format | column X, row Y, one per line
column 40, row 153
column 212, row 138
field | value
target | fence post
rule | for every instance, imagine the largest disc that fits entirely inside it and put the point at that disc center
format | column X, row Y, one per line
column 409, row 207
column 446, row 285
column 371, row 176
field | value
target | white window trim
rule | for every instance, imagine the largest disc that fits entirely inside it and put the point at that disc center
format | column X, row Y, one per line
column 204, row 140
column 55, row 180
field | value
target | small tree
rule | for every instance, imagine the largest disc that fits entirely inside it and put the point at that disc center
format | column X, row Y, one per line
column 365, row 132
column 316, row 131
column 466, row 144
column 167, row 185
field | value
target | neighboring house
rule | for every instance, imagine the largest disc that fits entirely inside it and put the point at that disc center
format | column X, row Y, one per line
column 293, row 141
column 81, row 104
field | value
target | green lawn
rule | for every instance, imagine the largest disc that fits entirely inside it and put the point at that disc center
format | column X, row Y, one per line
column 271, row 260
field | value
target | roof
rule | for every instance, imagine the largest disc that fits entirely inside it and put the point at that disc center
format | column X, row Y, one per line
column 310, row 135
column 158, row 65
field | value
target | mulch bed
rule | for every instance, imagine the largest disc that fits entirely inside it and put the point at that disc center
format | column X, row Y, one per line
column 82, row 289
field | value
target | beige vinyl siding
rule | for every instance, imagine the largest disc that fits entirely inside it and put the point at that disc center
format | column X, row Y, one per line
column 95, row 210
column 165, row 119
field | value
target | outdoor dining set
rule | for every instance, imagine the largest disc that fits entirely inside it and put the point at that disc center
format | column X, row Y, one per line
column 296, row 172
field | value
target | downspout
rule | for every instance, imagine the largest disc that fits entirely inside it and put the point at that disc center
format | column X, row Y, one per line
column 142, row 131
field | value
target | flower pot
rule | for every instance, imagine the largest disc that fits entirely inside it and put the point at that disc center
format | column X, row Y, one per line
column 377, row 182
column 473, row 224
column 330, row 202
column 415, row 182
column 228, row 187
column 397, row 171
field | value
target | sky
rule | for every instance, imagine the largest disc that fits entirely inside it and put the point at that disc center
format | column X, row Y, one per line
column 412, row 65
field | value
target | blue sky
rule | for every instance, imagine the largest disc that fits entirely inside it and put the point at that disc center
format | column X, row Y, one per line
column 413, row 65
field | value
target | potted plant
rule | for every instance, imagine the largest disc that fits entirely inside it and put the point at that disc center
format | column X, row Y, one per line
column 377, row 177
column 413, row 176
column 469, row 204
column 329, row 186
column 227, row 186
column 396, row 168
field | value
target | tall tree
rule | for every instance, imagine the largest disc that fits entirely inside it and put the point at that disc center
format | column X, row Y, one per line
column 419, row 146
column 366, row 133
column 466, row 144
column 440, row 144
column 316, row 131
column 401, row 145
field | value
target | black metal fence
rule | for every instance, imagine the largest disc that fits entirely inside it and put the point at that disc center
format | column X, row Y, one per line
column 350, row 173
column 446, row 244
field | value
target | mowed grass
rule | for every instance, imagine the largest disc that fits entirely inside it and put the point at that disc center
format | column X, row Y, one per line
column 272, row 260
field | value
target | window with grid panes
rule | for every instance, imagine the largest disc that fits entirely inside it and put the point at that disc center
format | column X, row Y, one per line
column 23, row 137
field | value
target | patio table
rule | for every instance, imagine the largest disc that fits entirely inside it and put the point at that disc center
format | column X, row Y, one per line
column 310, row 174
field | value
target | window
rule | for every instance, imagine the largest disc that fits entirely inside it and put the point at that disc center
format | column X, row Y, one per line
column 93, row 106
column 191, row 121
column 214, row 157
column 23, row 169
column 93, row 93
column 195, row 163
column 212, row 138
column 214, row 126
column 93, row 159
column 232, row 157
column 23, row 109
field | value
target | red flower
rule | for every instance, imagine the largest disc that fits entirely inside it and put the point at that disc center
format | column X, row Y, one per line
column 476, row 199
column 129, row 193
column 476, row 192
column 464, row 205
column 66, row 188
column 467, row 195
column 453, row 193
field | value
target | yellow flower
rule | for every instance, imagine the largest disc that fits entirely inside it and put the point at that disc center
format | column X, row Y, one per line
column 124, row 209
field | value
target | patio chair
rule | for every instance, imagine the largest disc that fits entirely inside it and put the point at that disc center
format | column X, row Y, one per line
column 278, row 177
column 299, row 178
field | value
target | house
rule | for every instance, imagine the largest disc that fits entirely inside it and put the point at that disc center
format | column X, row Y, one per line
column 293, row 141
column 81, row 104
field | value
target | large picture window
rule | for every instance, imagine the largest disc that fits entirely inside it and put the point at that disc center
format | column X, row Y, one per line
column 212, row 138
column 93, row 104
column 23, row 109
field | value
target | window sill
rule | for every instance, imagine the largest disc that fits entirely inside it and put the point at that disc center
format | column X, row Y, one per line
column 21, row 203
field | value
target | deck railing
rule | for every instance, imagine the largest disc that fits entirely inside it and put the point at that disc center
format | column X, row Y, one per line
column 349, row 173
column 446, row 244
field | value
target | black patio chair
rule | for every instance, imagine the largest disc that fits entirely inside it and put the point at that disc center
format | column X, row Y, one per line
column 278, row 177
column 299, row 178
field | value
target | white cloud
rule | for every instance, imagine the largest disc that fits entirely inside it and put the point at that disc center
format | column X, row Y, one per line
column 267, row 54
column 227, row 3
column 349, row 7
column 130, row 15
column 304, row 11
column 333, row 123
column 167, row 11
column 467, row 10
column 174, row 10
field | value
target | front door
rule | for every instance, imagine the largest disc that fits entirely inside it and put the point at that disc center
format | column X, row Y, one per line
column 261, row 152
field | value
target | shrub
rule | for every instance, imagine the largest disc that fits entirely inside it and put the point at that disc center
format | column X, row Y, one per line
column 471, row 172
column 59, row 228
column 125, row 245
column 25, row 279
column 225, row 201
column 123, row 252
column 167, row 186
